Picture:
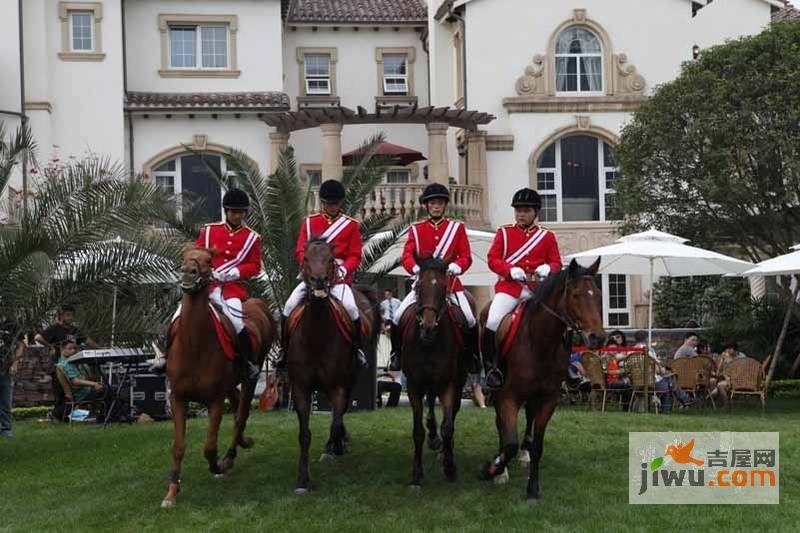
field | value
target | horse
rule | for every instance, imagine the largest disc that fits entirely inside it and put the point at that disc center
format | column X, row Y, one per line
column 199, row 371
column 434, row 364
column 319, row 356
column 566, row 302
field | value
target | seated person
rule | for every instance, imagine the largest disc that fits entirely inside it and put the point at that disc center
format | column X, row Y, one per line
column 82, row 388
column 730, row 353
column 689, row 346
column 576, row 375
column 616, row 339
column 614, row 376
column 387, row 384
column 663, row 384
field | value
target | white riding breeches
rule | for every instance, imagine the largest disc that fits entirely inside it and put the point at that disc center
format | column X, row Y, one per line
column 458, row 298
column 502, row 304
column 341, row 291
column 232, row 308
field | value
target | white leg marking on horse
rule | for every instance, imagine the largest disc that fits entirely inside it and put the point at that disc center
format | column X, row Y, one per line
column 524, row 457
column 501, row 479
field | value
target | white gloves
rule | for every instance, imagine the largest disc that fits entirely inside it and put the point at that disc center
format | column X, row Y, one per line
column 453, row 269
column 229, row 275
column 517, row 274
column 342, row 272
column 542, row 271
column 415, row 270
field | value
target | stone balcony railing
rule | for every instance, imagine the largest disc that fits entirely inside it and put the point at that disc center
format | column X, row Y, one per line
column 402, row 199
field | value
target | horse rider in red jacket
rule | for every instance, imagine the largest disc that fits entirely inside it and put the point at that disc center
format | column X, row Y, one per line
column 443, row 238
column 344, row 233
column 520, row 254
column 237, row 258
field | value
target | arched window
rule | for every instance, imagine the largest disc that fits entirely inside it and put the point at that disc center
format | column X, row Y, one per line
column 575, row 176
column 579, row 62
column 188, row 178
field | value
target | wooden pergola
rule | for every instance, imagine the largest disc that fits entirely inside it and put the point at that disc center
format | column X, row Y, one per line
column 290, row 121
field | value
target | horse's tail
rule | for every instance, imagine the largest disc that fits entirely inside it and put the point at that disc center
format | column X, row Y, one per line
column 371, row 294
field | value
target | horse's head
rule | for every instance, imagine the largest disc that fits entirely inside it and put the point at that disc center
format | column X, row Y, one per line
column 431, row 290
column 319, row 268
column 583, row 302
column 196, row 269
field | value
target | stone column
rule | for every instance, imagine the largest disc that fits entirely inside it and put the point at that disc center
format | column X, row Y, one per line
column 477, row 169
column 331, row 151
column 438, row 170
column 279, row 141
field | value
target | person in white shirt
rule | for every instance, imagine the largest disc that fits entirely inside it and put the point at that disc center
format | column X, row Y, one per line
column 389, row 306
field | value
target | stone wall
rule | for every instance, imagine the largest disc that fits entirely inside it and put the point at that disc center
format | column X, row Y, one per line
column 33, row 385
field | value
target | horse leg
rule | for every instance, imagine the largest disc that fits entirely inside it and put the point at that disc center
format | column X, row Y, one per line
column 434, row 442
column 448, row 399
column 210, row 447
column 527, row 441
column 336, row 442
column 242, row 414
column 415, row 398
column 178, row 407
column 302, row 404
column 543, row 415
column 508, row 411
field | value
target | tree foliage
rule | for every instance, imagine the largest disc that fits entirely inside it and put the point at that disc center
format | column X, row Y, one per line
column 714, row 155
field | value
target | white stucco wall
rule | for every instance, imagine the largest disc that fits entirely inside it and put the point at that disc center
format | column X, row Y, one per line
column 729, row 19
column 259, row 54
column 9, row 51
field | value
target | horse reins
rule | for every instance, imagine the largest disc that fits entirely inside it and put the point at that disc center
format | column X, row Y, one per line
column 571, row 324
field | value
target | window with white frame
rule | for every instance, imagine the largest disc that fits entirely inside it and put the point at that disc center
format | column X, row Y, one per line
column 397, row 177
column 395, row 74
column 317, row 74
column 314, row 176
column 575, row 176
column 193, row 184
column 616, row 300
column 81, row 30
column 579, row 63
column 198, row 46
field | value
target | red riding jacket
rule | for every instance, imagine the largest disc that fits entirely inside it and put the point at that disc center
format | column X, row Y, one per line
column 235, row 248
column 345, row 234
column 446, row 239
column 526, row 249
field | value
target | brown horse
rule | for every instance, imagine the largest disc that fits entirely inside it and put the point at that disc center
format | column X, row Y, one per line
column 434, row 364
column 566, row 302
column 199, row 371
column 319, row 357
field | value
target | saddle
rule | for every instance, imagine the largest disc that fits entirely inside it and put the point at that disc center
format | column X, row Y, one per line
column 227, row 335
column 509, row 327
column 343, row 321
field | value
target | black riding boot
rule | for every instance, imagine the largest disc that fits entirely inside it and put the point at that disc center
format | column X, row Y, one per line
column 359, row 358
column 159, row 366
column 245, row 354
column 472, row 350
column 397, row 344
column 494, row 377
column 281, row 361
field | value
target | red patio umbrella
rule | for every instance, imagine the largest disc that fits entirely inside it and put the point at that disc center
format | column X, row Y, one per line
column 398, row 155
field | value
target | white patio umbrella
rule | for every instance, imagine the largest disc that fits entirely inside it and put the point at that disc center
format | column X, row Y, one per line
column 477, row 275
column 783, row 265
column 654, row 254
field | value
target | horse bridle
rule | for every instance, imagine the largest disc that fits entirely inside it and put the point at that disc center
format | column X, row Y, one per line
column 571, row 324
column 201, row 281
column 438, row 310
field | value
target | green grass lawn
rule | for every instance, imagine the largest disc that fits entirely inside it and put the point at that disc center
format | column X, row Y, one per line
column 85, row 478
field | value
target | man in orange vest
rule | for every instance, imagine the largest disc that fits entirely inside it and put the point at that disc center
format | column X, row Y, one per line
column 237, row 258
column 344, row 233
column 440, row 237
column 520, row 254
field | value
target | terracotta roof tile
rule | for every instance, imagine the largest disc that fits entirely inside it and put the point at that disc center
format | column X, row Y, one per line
column 357, row 11
column 218, row 101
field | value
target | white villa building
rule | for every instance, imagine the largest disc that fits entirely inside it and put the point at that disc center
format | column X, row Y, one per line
column 497, row 95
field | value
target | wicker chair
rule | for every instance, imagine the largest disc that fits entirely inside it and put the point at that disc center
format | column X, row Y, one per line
column 634, row 365
column 70, row 403
column 745, row 377
column 593, row 367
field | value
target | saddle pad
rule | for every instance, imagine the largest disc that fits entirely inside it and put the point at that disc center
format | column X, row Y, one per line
column 343, row 321
column 223, row 335
column 516, row 319
column 408, row 320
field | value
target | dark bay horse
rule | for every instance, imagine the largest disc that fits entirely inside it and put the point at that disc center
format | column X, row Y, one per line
column 319, row 357
column 434, row 364
column 566, row 302
column 199, row 371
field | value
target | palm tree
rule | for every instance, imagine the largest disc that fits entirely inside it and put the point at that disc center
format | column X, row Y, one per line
column 60, row 250
column 280, row 202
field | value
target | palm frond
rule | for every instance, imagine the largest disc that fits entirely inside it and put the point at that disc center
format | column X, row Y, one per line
column 21, row 148
column 361, row 179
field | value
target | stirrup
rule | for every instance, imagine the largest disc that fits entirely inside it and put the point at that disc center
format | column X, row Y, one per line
column 498, row 381
column 159, row 366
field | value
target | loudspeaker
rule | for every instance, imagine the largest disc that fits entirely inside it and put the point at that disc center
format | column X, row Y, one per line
column 149, row 395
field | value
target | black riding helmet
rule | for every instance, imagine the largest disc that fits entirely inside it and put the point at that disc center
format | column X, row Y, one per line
column 331, row 191
column 434, row 190
column 527, row 198
column 236, row 199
